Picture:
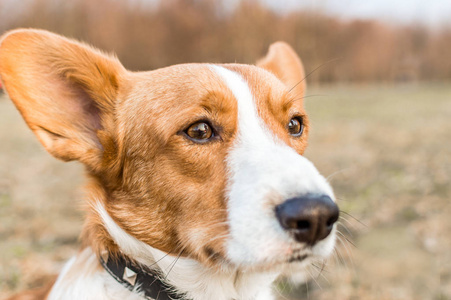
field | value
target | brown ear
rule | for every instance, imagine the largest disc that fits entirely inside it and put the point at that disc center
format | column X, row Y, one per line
column 65, row 91
column 283, row 62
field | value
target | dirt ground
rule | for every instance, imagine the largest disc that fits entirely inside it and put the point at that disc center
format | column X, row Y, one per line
column 385, row 149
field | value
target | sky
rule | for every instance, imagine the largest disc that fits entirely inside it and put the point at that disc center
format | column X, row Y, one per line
column 435, row 13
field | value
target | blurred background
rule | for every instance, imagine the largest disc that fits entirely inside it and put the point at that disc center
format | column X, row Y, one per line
column 379, row 97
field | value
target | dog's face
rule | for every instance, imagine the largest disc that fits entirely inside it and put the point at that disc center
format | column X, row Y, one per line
column 199, row 160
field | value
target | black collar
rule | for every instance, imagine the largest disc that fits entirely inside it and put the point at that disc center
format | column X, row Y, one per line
column 138, row 278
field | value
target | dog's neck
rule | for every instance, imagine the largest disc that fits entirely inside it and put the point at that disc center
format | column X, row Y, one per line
column 188, row 276
column 136, row 277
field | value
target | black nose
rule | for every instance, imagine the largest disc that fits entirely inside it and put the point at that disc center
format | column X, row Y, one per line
column 310, row 218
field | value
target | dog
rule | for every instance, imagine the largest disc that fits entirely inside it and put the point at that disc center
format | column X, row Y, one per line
column 197, row 184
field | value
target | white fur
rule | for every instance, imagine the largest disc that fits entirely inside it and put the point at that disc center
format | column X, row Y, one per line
column 264, row 172
column 189, row 276
column 84, row 278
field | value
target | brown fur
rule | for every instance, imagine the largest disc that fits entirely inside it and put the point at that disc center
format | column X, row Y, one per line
column 127, row 128
column 286, row 65
column 270, row 101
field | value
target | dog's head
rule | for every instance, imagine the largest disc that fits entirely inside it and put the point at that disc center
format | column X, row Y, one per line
column 199, row 159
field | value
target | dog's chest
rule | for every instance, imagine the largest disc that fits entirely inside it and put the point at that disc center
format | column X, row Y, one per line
column 84, row 278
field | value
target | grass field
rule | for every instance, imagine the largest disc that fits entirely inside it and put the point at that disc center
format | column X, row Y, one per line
column 386, row 150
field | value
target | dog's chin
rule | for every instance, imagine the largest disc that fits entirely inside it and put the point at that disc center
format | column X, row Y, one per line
column 296, row 269
column 277, row 264
column 286, row 266
column 295, row 260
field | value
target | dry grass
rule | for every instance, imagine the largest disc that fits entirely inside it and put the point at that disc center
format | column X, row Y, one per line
column 386, row 148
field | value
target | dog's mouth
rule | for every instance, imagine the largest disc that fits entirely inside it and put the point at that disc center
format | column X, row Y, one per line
column 299, row 255
column 297, row 258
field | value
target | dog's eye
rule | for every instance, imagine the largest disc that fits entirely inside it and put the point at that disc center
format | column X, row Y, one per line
column 200, row 131
column 295, row 126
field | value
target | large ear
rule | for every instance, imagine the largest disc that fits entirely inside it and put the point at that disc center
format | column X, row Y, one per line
column 283, row 62
column 65, row 91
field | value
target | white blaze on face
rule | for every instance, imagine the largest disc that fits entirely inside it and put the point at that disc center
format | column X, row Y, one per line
column 264, row 173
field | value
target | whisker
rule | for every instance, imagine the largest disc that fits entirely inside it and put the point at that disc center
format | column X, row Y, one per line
column 156, row 278
column 321, row 269
column 347, row 251
column 348, row 214
column 341, row 199
column 335, row 257
column 348, row 240
column 339, row 256
column 283, row 290
column 337, row 172
column 303, row 97
column 314, row 279
column 171, row 265
column 343, row 218
column 344, row 262
column 311, row 72
column 157, row 261
column 344, row 227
